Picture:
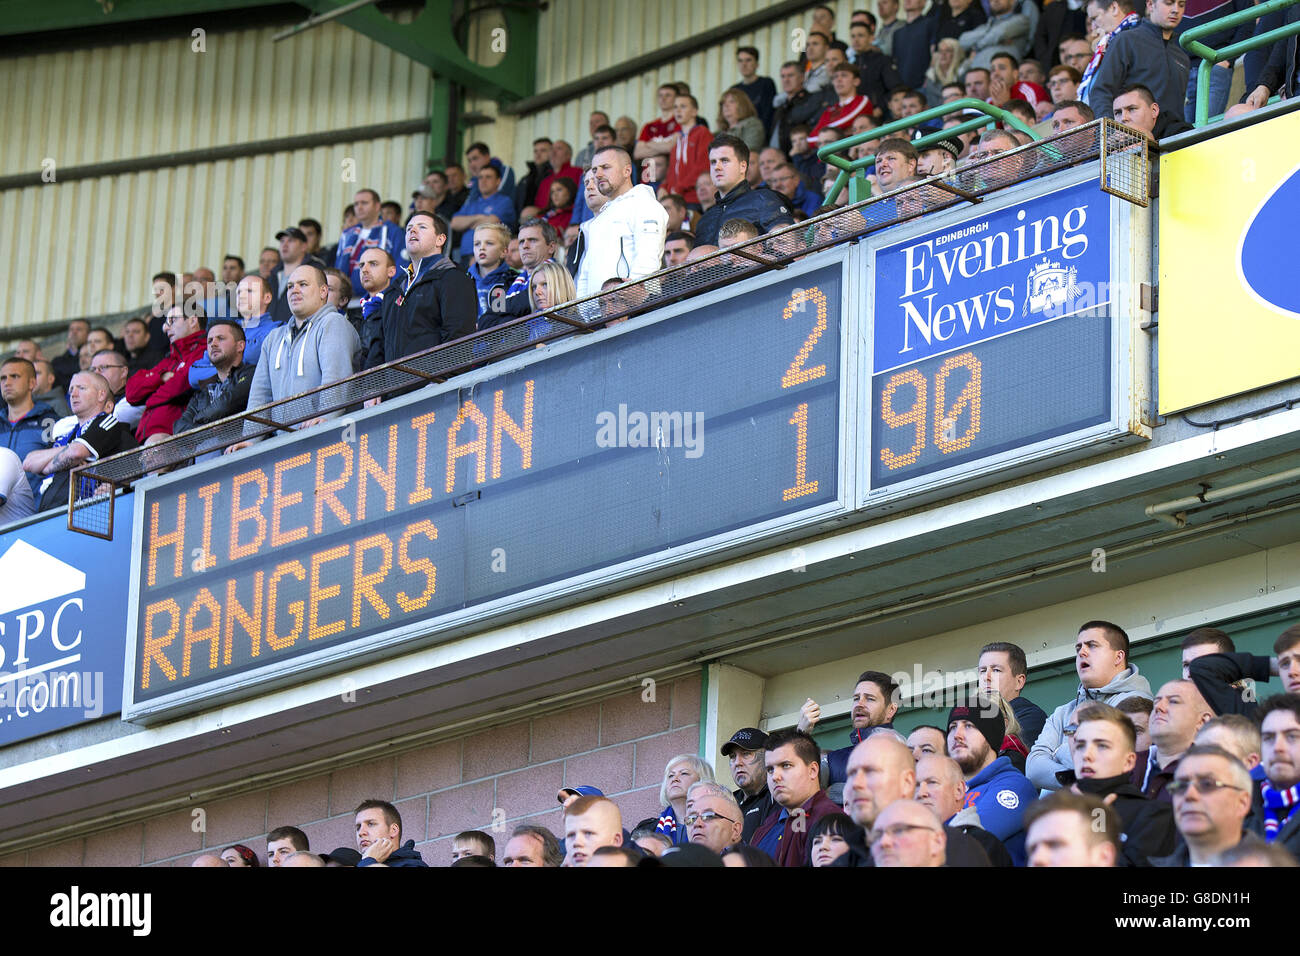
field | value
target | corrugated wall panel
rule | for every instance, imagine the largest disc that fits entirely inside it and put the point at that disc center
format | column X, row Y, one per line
column 160, row 96
column 92, row 245
column 627, row 30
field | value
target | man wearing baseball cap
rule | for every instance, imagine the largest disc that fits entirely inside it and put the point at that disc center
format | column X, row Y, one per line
column 744, row 753
column 999, row 792
column 293, row 253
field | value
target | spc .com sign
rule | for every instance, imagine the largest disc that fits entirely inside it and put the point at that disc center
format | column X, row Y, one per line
column 62, row 626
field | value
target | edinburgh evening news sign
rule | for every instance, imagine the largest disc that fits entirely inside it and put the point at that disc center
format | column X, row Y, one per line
column 1020, row 266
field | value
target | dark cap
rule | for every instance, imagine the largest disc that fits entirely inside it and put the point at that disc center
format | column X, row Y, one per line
column 343, row 856
column 988, row 720
column 580, row 791
column 293, row 232
column 746, row 738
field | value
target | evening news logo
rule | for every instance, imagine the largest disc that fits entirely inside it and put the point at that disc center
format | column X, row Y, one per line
column 1050, row 288
column 41, row 615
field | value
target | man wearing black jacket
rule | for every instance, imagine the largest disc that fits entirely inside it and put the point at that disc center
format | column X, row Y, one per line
column 225, row 393
column 795, row 106
column 538, row 169
column 432, row 302
column 1104, row 751
column 729, row 170
column 1217, row 676
column 744, row 751
column 877, row 72
column 1147, row 55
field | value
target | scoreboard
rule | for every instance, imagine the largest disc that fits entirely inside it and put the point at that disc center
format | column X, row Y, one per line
column 564, row 470
column 935, row 357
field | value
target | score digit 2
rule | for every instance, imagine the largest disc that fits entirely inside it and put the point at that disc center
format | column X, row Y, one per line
column 946, row 439
column 798, row 374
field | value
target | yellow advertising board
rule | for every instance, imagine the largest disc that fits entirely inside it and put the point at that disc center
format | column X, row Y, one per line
column 1229, row 295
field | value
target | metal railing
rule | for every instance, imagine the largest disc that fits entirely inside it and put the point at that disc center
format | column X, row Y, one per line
column 1123, row 152
column 1191, row 42
column 858, row 187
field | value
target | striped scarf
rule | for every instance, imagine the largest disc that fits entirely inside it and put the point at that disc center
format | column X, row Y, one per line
column 1278, row 805
column 1090, row 72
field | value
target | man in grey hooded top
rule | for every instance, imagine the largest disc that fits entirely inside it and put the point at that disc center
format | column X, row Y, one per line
column 1105, row 675
column 316, row 347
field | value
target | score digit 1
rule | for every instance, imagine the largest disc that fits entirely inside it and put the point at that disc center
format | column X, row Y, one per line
column 797, row 374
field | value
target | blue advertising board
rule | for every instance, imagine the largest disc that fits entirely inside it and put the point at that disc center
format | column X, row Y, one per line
column 722, row 417
column 992, row 336
column 63, row 600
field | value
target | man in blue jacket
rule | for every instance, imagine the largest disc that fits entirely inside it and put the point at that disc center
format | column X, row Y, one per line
column 490, row 204
column 379, row 837
column 729, row 169
column 27, row 424
column 999, row 793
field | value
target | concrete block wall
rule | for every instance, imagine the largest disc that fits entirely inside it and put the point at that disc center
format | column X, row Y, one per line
column 619, row 744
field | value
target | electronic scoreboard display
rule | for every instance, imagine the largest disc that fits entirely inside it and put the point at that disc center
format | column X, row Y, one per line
column 992, row 342
column 648, row 442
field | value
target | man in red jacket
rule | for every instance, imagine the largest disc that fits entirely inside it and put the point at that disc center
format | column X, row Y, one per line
column 164, row 390
column 562, row 163
column 690, row 155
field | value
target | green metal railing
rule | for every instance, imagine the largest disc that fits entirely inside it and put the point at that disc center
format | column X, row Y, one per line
column 851, row 170
column 1191, row 42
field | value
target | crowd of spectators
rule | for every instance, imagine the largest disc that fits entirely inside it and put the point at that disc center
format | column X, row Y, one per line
column 1198, row 772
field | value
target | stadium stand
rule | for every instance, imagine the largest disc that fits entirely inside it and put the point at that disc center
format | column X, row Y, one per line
column 337, row 377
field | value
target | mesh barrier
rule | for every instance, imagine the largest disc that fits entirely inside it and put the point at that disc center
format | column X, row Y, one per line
column 1125, row 174
column 1124, row 164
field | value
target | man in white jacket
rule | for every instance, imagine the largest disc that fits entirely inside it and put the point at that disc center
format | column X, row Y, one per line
column 625, row 240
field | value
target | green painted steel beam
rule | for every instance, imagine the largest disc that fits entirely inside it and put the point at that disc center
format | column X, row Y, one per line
column 20, row 17
column 428, row 40
column 441, row 144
